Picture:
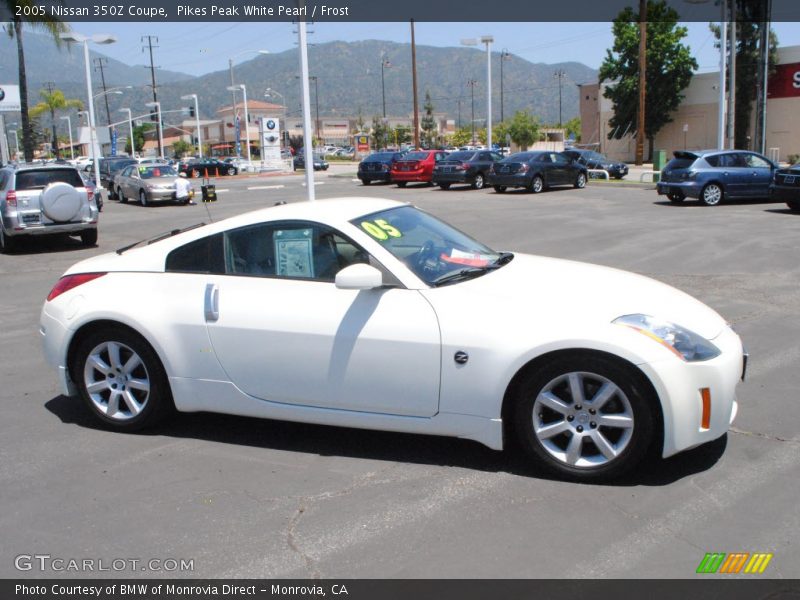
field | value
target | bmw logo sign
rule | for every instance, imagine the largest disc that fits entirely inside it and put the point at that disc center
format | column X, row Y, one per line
column 2, row 94
column 270, row 124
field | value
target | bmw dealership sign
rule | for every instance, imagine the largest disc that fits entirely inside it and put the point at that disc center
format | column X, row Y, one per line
column 9, row 98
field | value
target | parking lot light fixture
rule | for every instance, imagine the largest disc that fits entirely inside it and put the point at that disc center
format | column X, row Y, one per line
column 197, row 122
column 69, row 128
column 488, row 40
column 102, row 39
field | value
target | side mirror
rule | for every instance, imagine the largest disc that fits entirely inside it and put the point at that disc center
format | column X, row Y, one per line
column 359, row 277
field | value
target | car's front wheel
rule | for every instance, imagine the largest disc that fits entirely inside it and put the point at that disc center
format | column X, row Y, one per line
column 793, row 206
column 536, row 185
column 580, row 181
column 365, row 181
column 401, row 183
column 231, row 171
column 445, row 185
column 121, row 379
column 584, row 416
column 500, row 189
column 479, row 182
column 142, row 198
column 711, row 195
column 121, row 196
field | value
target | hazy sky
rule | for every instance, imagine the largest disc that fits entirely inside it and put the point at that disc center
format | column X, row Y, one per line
column 198, row 48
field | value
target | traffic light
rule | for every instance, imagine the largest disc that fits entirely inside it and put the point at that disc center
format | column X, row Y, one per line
column 154, row 117
column 191, row 111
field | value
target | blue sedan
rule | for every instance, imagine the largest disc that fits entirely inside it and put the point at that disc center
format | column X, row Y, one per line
column 712, row 176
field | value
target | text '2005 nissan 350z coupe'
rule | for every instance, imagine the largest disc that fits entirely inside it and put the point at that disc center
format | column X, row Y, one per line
column 371, row 313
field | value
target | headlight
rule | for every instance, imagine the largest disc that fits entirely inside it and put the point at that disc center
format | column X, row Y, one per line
column 684, row 343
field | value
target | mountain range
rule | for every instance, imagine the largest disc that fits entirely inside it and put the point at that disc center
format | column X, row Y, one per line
column 347, row 78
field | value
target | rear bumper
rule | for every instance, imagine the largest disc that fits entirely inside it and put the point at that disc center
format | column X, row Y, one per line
column 456, row 177
column 411, row 176
column 375, row 175
column 12, row 227
column 690, row 189
column 509, row 180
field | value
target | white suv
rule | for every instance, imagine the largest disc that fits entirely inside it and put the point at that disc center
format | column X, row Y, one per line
column 44, row 199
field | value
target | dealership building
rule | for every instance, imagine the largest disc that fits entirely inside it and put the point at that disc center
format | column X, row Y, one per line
column 694, row 125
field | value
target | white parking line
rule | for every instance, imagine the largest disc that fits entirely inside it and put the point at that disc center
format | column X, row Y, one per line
column 225, row 190
column 315, row 183
column 266, row 187
column 355, row 180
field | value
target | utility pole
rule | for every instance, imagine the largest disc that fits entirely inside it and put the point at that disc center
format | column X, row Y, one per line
column 459, row 112
column 414, row 86
column 642, row 81
column 101, row 62
column 50, row 86
column 732, row 82
column 504, row 56
column 384, row 64
column 317, row 126
column 472, row 83
column 150, row 39
column 560, row 74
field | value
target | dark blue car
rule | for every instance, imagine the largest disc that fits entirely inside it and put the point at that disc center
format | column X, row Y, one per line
column 713, row 176
column 377, row 166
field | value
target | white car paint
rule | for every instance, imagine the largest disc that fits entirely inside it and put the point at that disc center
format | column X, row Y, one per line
column 383, row 358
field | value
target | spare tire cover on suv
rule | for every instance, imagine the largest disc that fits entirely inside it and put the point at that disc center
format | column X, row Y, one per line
column 61, row 202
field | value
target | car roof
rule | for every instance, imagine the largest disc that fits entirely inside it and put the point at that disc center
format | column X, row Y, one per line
column 42, row 167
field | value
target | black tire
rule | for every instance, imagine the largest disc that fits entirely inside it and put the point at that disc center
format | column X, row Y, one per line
column 89, row 237
column 580, row 181
column 402, row 183
column 536, row 185
column 111, row 193
column 445, row 185
column 231, row 171
column 142, row 198
column 500, row 189
column 195, row 173
column 480, row 182
column 593, row 369
column 366, row 181
column 676, row 197
column 793, row 206
column 155, row 404
column 121, row 196
column 712, row 195
column 7, row 243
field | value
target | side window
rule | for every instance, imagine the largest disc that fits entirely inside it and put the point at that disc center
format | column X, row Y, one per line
column 732, row 160
column 756, row 162
column 559, row 159
column 205, row 255
column 496, row 157
column 486, row 156
column 292, row 250
column 713, row 160
column 544, row 158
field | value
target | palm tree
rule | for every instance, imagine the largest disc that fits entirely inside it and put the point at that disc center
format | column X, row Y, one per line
column 45, row 22
column 52, row 101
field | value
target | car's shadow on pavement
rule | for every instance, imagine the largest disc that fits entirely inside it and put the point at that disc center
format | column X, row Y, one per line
column 693, row 203
column 48, row 245
column 782, row 211
column 380, row 445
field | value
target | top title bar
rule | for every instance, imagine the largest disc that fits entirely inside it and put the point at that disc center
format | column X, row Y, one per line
column 373, row 10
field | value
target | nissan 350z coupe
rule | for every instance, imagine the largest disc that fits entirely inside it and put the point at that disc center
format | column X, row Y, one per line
column 370, row 313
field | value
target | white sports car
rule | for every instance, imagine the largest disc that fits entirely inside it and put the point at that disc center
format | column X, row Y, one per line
column 371, row 313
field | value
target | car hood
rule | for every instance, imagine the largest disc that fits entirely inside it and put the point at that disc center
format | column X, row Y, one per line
column 540, row 288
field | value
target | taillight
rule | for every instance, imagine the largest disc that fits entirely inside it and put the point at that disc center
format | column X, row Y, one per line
column 68, row 282
column 524, row 167
column 89, row 193
column 11, row 198
column 465, row 166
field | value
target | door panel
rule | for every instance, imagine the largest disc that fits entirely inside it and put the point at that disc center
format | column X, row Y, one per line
column 309, row 343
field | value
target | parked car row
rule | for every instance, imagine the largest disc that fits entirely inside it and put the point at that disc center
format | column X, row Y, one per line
column 713, row 176
column 534, row 171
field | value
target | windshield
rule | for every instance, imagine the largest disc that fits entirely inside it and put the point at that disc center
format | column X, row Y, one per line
column 435, row 251
column 157, row 171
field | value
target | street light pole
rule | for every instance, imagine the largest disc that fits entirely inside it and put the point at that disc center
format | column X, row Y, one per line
column 233, row 87
column 307, row 149
column 69, row 127
column 97, row 39
column 16, row 143
column 472, row 83
column 130, row 125
column 488, row 40
column 157, row 106
column 560, row 74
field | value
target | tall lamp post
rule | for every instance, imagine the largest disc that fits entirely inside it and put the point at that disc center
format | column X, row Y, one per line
column 69, row 128
column 504, row 56
column 197, row 122
column 242, row 87
column 472, row 83
column 488, row 40
column 98, row 38
column 130, row 125
column 233, row 87
column 16, row 142
column 157, row 106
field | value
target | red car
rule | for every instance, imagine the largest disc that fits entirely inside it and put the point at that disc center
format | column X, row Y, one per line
column 416, row 166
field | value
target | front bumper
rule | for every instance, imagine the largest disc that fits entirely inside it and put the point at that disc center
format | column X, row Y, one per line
column 160, row 195
column 783, row 193
column 689, row 189
column 679, row 385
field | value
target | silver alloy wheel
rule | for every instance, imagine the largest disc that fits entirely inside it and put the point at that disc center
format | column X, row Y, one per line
column 581, row 182
column 142, row 198
column 116, row 381
column 537, row 185
column 479, row 181
column 583, row 419
column 712, row 194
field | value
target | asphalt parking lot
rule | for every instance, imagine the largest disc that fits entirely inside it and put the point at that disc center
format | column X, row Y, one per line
column 243, row 497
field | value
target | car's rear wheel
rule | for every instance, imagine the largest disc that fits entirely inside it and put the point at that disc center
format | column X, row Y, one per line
column 365, row 181
column 89, row 237
column 794, row 206
column 401, row 183
column 231, row 171
column 195, row 173
column 580, row 181
column 712, row 194
column 121, row 379
column 676, row 197
column 585, row 417
column 142, row 198
column 7, row 244
column 500, row 189
column 479, row 182
column 121, row 196
column 444, row 185
column 536, row 185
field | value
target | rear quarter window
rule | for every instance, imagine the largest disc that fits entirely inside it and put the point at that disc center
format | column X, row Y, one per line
column 680, row 163
column 205, row 255
column 34, row 180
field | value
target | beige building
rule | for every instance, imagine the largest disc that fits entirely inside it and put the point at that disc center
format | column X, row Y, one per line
column 694, row 125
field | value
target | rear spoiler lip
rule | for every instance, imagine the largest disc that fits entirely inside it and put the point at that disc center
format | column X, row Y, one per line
column 685, row 154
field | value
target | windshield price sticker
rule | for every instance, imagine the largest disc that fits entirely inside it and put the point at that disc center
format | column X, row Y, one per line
column 380, row 229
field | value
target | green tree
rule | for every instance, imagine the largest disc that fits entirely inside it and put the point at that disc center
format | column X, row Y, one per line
column 380, row 132
column 523, row 129
column 53, row 102
column 751, row 19
column 138, row 137
column 181, row 148
column 669, row 70
column 46, row 22
column 401, row 134
column 461, row 137
column 573, row 128
column 428, row 123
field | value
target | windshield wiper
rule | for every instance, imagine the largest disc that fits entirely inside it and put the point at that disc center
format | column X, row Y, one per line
column 471, row 272
column 503, row 259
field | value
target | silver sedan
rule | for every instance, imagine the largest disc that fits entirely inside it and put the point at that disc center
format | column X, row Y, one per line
column 146, row 183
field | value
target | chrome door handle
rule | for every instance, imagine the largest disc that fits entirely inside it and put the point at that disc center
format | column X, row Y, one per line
column 211, row 302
